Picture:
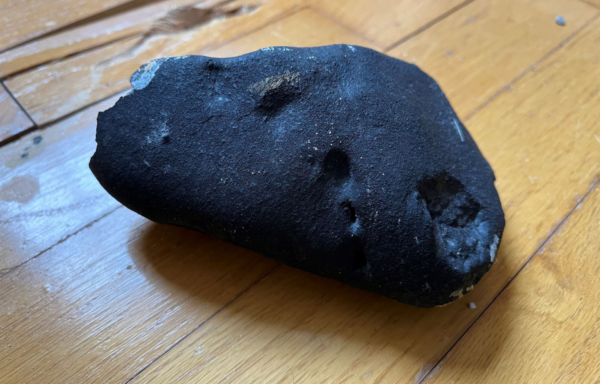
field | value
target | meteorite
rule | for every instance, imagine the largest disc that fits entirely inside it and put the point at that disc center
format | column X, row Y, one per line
column 337, row 160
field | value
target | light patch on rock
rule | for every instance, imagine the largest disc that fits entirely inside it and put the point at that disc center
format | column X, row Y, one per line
column 159, row 134
column 494, row 248
column 460, row 133
column 143, row 76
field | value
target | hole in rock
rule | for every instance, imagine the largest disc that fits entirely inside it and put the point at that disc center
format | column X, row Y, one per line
column 273, row 93
column 349, row 209
column 336, row 166
column 447, row 201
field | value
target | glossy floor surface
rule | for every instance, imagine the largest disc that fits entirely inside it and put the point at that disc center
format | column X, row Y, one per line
column 93, row 293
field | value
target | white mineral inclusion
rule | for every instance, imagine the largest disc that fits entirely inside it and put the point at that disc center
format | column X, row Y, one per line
column 494, row 248
column 143, row 76
column 462, row 138
column 269, row 49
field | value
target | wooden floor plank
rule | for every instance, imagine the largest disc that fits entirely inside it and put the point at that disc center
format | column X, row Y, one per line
column 58, row 89
column 47, row 191
column 86, row 36
column 543, row 140
column 386, row 22
column 292, row 326
column 106, row 302
column 107, row 293
column 74, row 198
column 87, row 79
column 544, row 327
column 24, row 20
column 306, row 28
column 12, row 118
column 478, row 50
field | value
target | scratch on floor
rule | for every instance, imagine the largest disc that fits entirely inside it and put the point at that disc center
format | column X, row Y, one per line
column 184, row 19
column 188, row 17
column 427, row 372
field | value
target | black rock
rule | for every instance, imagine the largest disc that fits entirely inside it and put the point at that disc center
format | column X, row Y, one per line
column 337, row 160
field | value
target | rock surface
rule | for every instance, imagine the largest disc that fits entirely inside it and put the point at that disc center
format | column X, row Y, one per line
column 337, row 160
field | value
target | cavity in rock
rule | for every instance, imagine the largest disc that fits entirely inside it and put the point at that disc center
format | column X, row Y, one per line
column 337, row 160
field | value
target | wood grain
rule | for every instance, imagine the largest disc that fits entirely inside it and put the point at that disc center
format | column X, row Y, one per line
column 91, row 292
column 544, row 327
column 476, row 51
column 385, row 22
column 108, row 301
column 296, row 327
column 23, row 20
column 86, row 36
column 61, row 88
column 306, row 28
column 47, row 191
column 595, row 3
column 544, row 143
column 12, row 118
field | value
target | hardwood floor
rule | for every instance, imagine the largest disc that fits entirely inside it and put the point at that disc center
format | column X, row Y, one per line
column 91, row 292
